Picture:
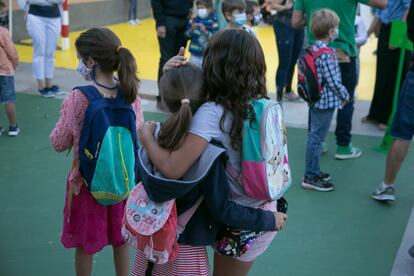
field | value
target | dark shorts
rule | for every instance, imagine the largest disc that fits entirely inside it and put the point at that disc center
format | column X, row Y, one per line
column 7, row 91
column 403, row 125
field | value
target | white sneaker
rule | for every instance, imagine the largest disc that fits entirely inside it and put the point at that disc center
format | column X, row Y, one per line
column 384, row 193
column 132, row 22
column 137, row 21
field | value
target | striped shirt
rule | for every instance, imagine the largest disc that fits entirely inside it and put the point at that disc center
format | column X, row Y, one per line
column 191, row 261
column 329, row 76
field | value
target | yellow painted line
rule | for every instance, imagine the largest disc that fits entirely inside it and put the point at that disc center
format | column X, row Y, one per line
column 142, row 41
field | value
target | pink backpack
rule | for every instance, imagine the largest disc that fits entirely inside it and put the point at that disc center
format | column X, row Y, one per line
column 153, row 228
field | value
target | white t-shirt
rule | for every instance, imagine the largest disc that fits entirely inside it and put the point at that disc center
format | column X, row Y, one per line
column 206, row 124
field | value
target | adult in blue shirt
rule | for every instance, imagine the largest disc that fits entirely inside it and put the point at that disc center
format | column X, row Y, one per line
column 387, row 63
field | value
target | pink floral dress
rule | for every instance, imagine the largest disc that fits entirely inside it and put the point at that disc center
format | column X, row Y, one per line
column 87, row 224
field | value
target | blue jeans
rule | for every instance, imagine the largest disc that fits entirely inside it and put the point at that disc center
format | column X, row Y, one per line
column 344, row 116
column 289, row 44
column 403, row 125
column 319, row 123
column 132, row 10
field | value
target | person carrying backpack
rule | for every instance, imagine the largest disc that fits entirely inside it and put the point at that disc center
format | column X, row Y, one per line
column 320, row 85
column 202, row 195
column 100, row 122
column 234, row 82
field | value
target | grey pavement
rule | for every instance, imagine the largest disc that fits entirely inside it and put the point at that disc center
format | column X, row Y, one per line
column 295, row 112
column 295, row 116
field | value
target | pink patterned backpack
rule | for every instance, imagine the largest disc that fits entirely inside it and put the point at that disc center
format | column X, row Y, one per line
column 153, row 228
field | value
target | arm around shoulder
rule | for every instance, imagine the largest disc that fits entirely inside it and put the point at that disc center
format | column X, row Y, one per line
column 176, row 163
column 216, row 191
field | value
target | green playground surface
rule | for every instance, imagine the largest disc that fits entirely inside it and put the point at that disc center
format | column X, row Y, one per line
column 344, row 232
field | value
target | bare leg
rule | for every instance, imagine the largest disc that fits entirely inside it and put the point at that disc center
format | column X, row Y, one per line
column 40, row 84
column 225, row 266
column 83, row 263
column 395, row 158
column 121, row 260
column 11, row 113
column 49, row 83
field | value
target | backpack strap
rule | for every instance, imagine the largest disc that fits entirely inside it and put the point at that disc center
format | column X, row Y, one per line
column 185, row 217
column 322, row 51
column 90, row 92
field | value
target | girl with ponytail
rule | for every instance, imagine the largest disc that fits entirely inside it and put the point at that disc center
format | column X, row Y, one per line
column 183, row 93
column 88, row 226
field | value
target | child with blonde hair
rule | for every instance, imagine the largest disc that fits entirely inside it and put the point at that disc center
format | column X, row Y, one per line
column 324, row 26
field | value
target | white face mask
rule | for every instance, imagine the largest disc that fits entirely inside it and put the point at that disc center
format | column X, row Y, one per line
column 202, row 13
column 84, row 71
column 257, row 19
column 335, row 36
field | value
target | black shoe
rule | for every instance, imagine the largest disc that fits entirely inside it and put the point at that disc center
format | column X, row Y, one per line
column 158, row 98
column 14, row 130
column 317, row 184
column 46, row 93
column 325, row 176
column 411, row 251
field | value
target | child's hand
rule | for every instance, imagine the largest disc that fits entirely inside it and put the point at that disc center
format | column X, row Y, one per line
column 203, row 28
column 281, row 219
column 344, row 102
column 146, row 132
column 176, row 61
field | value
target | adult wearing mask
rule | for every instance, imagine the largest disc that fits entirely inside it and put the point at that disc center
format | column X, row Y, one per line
column 171, row 17
column 43, row 25
column 387, row 63
column 346, row 52
column 289, row 45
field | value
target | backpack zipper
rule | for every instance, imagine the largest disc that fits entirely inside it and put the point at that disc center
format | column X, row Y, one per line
column 124, row 170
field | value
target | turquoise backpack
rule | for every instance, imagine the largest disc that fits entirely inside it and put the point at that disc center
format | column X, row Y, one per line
column 108, row 147
column 265, row 171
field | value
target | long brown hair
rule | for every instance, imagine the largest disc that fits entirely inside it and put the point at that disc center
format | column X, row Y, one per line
column 104, row 47
column 181, row 92
column 234, row 75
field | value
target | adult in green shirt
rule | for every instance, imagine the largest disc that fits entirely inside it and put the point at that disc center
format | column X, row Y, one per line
column 346, row 53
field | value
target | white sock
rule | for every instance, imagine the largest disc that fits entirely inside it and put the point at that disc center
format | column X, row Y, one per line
column 383, row 185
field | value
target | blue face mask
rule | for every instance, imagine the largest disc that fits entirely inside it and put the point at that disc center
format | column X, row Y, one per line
column 240, row 19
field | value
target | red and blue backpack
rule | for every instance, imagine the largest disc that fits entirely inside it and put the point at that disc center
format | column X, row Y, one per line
column 108, row 147
column 309, row 87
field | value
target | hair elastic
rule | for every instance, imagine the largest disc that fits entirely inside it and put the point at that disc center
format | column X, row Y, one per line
column 183, row 101
column 117, row 50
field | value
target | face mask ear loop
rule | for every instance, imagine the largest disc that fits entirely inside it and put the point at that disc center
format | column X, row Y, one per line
column 93, row 73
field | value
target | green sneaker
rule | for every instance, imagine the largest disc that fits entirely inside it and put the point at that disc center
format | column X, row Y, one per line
column 347, row 152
